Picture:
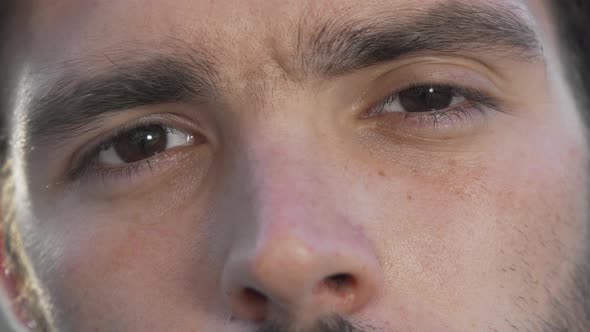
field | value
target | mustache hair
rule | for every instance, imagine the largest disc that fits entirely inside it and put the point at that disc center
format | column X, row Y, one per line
column 330, row 324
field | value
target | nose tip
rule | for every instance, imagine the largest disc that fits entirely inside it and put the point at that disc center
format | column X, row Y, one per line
column 292, row 279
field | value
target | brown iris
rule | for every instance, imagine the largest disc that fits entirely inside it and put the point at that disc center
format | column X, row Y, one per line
column 141, row 143
column 426, row 99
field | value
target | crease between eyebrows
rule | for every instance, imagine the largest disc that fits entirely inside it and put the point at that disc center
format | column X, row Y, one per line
column 336, row 46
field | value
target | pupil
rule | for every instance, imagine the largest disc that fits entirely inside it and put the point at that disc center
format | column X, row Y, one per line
column 426, row 99
column 141, row 143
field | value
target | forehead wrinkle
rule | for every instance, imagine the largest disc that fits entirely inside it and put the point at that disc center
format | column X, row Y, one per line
column 336, row 43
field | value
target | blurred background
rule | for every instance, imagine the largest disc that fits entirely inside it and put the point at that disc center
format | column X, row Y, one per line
column 4, row 325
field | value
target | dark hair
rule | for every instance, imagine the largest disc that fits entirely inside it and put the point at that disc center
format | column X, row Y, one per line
column 9, row 13
column 573, row 20
column 5, row 10
column 26, row 305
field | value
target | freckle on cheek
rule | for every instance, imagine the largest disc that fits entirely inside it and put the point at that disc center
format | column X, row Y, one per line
column 381, row 173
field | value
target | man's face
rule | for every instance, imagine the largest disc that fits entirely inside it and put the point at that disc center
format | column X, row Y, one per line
column 226, row 165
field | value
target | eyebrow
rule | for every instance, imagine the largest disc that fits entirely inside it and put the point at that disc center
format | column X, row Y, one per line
column 334, row 47
column 76, row 100
column 337, row 47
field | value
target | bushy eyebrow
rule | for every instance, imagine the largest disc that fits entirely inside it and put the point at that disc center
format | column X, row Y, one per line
column 77, row 99
column 338, row 46
column 334, row 47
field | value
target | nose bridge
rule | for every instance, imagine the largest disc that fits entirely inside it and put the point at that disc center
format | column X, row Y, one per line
column 283, row 183
column 286, row 171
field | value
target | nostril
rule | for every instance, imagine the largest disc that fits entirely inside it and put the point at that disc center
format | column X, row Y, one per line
column 340, row 283
column 251, row 304
column 253, row 297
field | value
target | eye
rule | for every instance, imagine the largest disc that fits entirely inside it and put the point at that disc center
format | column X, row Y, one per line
column 422, row 99
column 434, row 111
column 141, row 143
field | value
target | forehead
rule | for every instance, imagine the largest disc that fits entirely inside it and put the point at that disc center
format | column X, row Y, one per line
column 234, row 28
column 540, row 10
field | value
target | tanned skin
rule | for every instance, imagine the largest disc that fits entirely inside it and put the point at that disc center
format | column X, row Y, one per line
column 296, row 166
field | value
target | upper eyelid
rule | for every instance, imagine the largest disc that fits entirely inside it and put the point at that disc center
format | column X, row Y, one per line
column 471, row 94
column 508, row 34
column 85, row 156
column 458, row 87
column 107, row 142
column 460, row 71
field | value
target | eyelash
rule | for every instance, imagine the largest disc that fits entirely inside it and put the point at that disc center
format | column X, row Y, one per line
column 477, row 102
column 87, row 163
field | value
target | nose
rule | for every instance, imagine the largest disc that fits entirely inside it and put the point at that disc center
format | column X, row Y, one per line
column 294, row 253
column 299, row 276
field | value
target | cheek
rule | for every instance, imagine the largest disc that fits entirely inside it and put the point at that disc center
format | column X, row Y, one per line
column 541, row 198
column 121, row 252
column 534, row 222
column 540, row 187
column 430, row 232
column 497, row 224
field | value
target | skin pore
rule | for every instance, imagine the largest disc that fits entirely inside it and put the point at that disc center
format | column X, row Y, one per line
column 291, row 188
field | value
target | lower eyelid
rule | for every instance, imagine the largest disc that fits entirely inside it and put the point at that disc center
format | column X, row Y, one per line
column 438, row 119
column 456, row 122
column 110, row 175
